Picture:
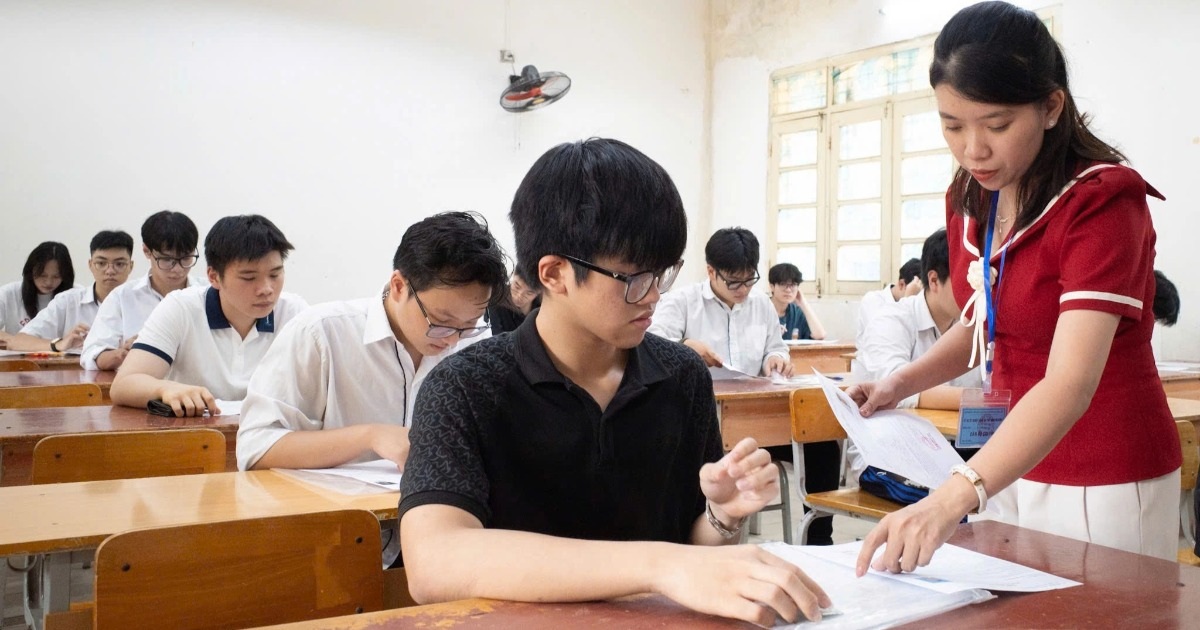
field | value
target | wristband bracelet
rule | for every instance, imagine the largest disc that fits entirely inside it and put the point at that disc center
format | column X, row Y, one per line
column 54, row 345
column 970, row 475
column 716, row 523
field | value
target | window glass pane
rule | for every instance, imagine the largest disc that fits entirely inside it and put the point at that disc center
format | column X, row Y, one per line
column 800, row 91
column 796, row 187
column 859, row 181
column 859, row 222
column 797, row 225
column 926, row 174
column 862, row 80
column 803, row 257
column 921, row 217
column 858, row 263
column 910, row 70
column 798, row 149
column 922, row 132
column 859, row 140
column 909, row 251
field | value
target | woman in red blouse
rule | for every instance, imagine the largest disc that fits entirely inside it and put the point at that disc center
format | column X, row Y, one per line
column 1089, row 449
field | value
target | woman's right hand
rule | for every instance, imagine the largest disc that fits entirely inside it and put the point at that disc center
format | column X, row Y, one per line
column 875, row 395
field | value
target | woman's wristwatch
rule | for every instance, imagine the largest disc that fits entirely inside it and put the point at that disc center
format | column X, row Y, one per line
column 970, row 475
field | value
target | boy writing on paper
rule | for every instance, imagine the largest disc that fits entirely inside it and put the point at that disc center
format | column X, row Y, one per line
column 203, row 343
column 580, row 441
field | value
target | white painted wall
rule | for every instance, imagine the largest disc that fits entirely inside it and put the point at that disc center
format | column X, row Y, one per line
column 343, row 122
column 1132, row 67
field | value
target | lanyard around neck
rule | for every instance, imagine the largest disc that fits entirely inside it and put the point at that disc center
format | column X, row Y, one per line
column 990, row 299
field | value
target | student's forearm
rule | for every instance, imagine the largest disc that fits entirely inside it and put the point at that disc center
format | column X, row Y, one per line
column 815, row 328
column 135, row 390
column 945, row 397
column 317, row 449
column 446, row 565
column 28, row 343
column 109, row 359
column 944, row 362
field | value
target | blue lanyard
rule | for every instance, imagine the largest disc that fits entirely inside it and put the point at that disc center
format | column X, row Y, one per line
column 987, row 291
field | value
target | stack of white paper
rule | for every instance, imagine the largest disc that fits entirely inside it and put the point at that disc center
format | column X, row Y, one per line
column 371, row 477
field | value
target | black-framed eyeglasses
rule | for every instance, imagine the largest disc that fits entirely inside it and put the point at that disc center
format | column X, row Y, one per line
column 637, row 285
column 734, row 285
column 438, row 331
column 167, row 263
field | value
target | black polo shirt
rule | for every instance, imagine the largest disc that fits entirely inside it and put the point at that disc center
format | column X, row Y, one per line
column 499, row 432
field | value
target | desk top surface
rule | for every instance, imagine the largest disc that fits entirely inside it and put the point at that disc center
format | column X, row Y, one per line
column 33, row 424
column 47, row 360
column 1120, row 589
column 764, row 388
column 56, row 377
column 947, row 421
column 834, row 347
column 68, row 516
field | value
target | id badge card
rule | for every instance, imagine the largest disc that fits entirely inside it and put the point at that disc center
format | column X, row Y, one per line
column 979, row 415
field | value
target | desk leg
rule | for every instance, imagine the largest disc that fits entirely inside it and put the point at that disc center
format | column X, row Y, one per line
column 52, row 593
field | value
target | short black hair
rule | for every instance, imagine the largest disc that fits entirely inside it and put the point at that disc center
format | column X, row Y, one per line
column 243, row 237
column 935, row 256
column 910, row 270
column 452, row 249
column 1166, row 300
column 111, row 239
column 785, row 273
column 36, row 263
column 597, row 198
column 732, row 249
column 169, row 231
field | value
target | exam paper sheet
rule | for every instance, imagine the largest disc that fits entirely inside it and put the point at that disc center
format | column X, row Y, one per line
column 894, row 441
column 375, row 476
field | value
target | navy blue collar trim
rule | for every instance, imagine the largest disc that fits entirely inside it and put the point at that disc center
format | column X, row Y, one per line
column 217, row 319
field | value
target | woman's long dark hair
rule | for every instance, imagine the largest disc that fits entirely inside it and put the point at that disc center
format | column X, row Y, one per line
column 36, row 263
column 994, row 52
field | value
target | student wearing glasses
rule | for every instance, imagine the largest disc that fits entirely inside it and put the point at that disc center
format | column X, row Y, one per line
column 580, row 441
column 64, row 323
column 721, row 318
column 339, row 384
column 169, row 242
column 796, row 318
column 201, row 344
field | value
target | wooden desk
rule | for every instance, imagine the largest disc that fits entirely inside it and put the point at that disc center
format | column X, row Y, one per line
column 1181, row 384
column 103, row 378
column 947, row 421
column 20, row 430
column 52, row 362
column 757, row 408
column 1120, row 590
column 826, row 357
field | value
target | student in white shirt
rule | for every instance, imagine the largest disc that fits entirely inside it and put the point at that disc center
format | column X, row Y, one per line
column 203, row 343
column 169, row 244
column 64, row 323
column 902, row 332
column 340, row 382
column 47, row 272
column 909, row 283
column 720, row 318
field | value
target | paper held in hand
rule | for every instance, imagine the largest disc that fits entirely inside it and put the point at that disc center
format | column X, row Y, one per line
column 894, row 441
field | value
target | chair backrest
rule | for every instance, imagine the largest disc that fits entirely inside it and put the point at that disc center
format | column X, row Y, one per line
column 812, row 418
column 36, row 396
column 127, row 455
column 239, row 574
column 1191, row 457
column 19, row 365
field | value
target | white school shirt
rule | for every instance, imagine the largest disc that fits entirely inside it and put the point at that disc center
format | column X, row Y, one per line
column 743, row 336
column 338, row 364
column 870, row 304
column 66, row 311
column 898, row 334
column 189, row 331
column 121, row 316
column 12, row 310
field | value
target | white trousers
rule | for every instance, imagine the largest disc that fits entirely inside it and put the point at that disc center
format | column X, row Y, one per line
column 1142, row 517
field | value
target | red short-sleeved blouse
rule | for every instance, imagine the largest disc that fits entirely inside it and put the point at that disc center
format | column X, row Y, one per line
column 1093, row 249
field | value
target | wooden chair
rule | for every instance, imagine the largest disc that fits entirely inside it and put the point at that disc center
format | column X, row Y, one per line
column 813, row 421
column 37, row 396
column 19, row 365
column 127, row 455
column 238, row 574
column 1187, row 484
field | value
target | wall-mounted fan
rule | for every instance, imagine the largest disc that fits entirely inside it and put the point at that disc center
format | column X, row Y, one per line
column 532, row 89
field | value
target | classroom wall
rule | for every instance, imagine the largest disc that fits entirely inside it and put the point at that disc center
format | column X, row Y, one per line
column 344, row 122
column 1132, row 66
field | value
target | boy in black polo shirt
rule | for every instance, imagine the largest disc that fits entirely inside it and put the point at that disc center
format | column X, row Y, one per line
column 559, row 462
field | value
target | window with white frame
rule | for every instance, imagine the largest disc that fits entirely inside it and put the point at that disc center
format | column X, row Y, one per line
column 858, row 166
